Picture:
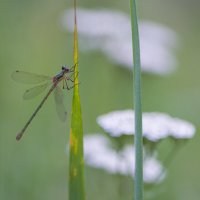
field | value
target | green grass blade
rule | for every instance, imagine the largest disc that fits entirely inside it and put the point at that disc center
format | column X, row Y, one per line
column 76, row 165
column 138, row 185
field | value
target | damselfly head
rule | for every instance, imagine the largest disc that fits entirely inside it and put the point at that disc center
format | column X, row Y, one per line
column 65, row 68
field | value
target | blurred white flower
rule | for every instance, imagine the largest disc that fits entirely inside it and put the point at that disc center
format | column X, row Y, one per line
column 98, row 154
column 153, row 171
column 110, row 32
column 156, row 125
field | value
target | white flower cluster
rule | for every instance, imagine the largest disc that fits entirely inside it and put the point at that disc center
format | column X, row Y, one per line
column 98, row 154
column 156, row 125
column 110, row 32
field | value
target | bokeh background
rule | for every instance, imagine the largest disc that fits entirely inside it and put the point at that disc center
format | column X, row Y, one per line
column 32, row 39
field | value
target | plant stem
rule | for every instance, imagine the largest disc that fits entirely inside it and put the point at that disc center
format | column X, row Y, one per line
column 138, row 185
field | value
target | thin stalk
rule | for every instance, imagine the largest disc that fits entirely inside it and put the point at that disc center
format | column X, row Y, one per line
column 138, row 185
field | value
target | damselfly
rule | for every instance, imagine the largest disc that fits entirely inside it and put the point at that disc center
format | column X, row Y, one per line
column 66, row 74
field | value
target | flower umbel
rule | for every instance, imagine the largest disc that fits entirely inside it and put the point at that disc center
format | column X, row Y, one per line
column 99, row 154
column 156, row 126
column 113, row 38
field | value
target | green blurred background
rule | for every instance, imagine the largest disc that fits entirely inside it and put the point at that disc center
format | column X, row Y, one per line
column 32, row 39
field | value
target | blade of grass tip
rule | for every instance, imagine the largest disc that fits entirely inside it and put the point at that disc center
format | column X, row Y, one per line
column 138, row 184
column 76, row 165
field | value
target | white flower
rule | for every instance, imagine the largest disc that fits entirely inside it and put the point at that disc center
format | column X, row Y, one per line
column 98, row 154
column 153, row 171
column 110, row 32
column 156, row 125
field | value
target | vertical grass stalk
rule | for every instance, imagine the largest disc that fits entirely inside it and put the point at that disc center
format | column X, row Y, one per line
column 76, row 165
column 138, row 184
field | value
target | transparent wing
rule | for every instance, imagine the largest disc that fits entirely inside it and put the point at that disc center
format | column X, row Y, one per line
column 32, row 92
column 59, row 100
column 28, row 78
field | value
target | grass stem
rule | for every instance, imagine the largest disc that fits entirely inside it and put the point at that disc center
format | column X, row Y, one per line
column 138, row 185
